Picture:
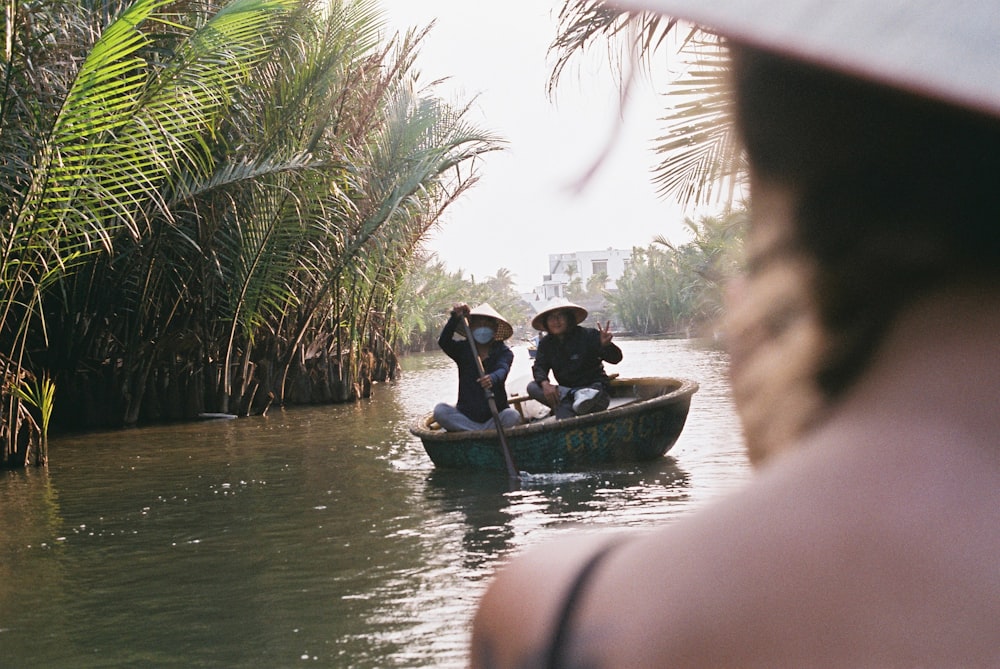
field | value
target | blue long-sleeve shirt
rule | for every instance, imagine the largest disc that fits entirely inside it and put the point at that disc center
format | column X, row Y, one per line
column 471, row 396
column 575, row 359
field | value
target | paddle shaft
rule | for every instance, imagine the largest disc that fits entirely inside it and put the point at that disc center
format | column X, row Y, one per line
column 491, row 400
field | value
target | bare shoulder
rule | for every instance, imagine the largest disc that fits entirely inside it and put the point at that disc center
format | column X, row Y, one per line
column 843, row 552
column 873, row 543
column 517, row 615
column 826, row 559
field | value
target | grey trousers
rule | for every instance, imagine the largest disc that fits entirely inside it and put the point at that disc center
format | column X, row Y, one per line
column 453, row 420
column 566, row 398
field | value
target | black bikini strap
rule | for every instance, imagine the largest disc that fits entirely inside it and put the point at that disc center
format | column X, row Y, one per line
column 561, row 636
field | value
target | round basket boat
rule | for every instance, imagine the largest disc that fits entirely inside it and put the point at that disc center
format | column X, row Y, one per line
column 643, row 421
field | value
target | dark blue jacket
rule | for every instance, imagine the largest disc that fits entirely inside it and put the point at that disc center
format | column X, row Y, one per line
column 575, row 359
column 471, row 396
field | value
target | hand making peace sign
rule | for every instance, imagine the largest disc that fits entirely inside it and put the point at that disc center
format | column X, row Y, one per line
column 606, row 335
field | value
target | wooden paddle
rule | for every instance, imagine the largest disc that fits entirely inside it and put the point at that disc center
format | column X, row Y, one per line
column 491, row 400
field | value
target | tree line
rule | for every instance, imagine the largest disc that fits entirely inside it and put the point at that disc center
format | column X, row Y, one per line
column 213, row 206
column 673, row 289
column 430, row 289
column 208, row 206
column 678, row 289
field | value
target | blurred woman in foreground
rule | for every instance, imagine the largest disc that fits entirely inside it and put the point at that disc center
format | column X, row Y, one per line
column 865, row 346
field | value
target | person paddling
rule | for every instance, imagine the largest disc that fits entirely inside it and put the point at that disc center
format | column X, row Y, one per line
column 489, row 330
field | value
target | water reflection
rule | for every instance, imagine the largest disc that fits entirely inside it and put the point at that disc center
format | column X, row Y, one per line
column 319, row 535
column 494, row 515
column 480, row 503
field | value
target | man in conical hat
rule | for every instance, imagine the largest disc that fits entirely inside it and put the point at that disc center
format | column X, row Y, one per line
column 864, row 363
column 575, row 356
column 489, row 330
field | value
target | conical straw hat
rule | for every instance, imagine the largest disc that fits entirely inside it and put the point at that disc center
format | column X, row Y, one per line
column 504, row 329
column 538, row 322
column 947, row 50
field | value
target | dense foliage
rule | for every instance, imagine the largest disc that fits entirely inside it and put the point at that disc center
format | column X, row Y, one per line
column 702, row 162
column 208, row 206
column 678, row 289
column 430, row 290
column 668, row 288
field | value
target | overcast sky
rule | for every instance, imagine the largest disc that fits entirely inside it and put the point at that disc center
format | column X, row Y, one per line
column 524, row 207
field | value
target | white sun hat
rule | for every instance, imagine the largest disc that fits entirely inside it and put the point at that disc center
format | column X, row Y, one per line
column 948, row 50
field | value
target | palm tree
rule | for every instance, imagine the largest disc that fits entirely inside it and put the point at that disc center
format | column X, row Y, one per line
column 670, row 288
column 502, row 282
column 430, row 289
column 708, row 262
column 648, row 296
column 206, row 205
column 702, row 162
column 88, row 160
column 596, row 284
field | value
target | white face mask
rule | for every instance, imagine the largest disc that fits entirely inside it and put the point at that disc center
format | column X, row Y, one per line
column 483, row 334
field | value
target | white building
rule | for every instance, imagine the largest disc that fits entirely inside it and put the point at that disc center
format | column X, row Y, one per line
column 565, row 267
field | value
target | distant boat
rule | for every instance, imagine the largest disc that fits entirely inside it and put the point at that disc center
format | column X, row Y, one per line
column 644, row 420
column 533, row 346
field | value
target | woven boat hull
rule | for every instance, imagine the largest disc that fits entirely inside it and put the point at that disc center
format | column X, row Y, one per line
column 642, row 430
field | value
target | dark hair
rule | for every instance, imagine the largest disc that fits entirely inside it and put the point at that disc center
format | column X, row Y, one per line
column 893, row 194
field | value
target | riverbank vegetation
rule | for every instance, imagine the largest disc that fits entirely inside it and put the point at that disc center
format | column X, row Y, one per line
column 678, row 289
column 430, row 289
column 208, row 206
column 216, row 206
column 672, row 288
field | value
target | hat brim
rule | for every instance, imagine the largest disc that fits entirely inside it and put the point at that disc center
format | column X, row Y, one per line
column 538, row 322
column 946, row 51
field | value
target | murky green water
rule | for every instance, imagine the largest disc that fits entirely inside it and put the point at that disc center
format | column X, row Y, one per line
column 312, row 537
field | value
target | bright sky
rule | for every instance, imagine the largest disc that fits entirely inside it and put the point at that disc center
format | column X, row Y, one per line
column 524, row 208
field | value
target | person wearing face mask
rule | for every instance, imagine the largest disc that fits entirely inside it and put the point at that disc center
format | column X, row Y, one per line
column 489, row 331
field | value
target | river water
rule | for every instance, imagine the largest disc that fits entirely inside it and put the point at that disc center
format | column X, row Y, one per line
column 319, row 537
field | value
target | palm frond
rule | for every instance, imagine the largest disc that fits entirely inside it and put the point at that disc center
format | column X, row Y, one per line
column 701, row 158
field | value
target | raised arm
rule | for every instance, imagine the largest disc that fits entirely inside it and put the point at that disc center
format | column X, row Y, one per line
column 447, row 339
